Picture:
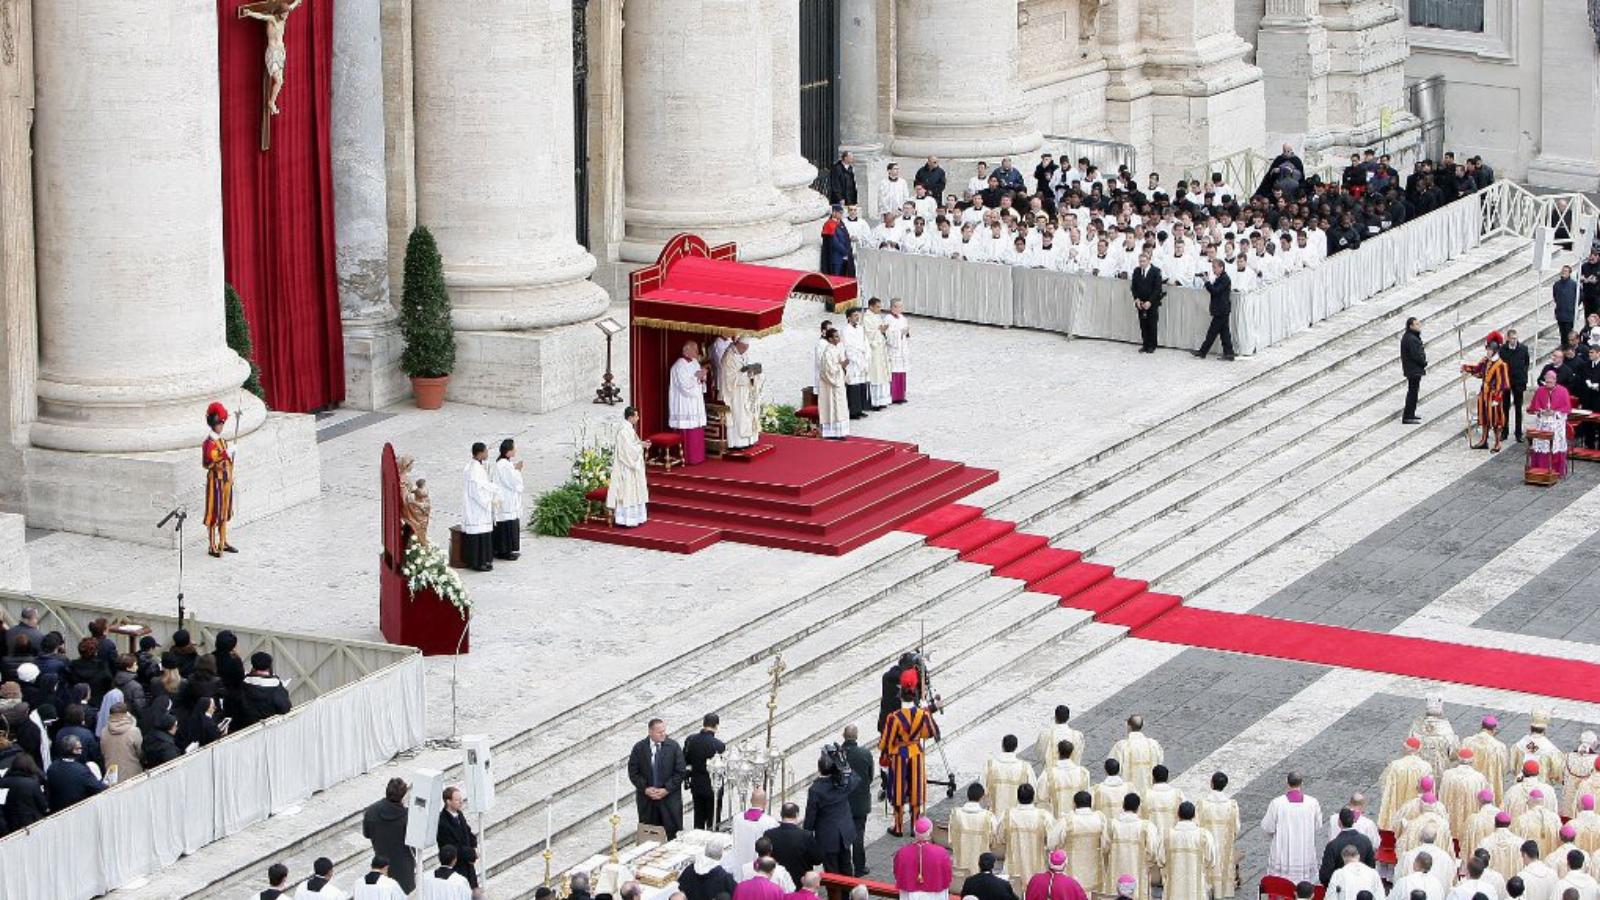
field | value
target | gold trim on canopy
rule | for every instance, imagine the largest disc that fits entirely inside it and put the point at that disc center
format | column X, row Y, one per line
column 697, row 328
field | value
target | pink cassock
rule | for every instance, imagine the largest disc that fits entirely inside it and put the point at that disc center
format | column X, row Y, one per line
column 922, row 867
column 1054, row 886
column 757, row 888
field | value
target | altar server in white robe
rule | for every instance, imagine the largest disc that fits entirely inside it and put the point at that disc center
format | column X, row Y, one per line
column 878, row 356
column 686, row 403
column 859, row 355
column 741, row 391
column 377, row 885
column 508, row 487
column 1354, row 877
column 833, row 408
column 897, row 333
column 1291, row 825
column 479, row 498
column 816, row 357
column 444, row 882
column 628, row 495
column 320, row 885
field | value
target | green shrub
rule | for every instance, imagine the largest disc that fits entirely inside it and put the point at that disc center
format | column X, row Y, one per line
column 238, row 330
column 779, row 418
column 425, row 311
column 556, row 511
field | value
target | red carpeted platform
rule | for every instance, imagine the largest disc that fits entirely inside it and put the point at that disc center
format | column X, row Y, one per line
column 1105, row 596
column 938, row 521
column 1006, row 550
column 974, row 535
column 1039, row 565
column 806, row 494
column 1073, row 580
column 1371, row 651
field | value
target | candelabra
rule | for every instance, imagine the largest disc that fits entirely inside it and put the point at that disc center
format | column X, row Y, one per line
column 744, row 767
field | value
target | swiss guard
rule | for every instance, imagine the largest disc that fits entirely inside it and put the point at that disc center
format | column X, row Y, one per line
column 217, row 458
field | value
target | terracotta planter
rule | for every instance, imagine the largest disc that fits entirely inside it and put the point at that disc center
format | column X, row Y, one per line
column 429, row 392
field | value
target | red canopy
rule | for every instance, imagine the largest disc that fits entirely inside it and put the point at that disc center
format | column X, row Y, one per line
column 695, row 289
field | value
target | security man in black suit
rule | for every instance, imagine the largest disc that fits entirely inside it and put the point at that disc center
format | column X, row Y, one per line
column 985, row 884
column 1220, row 287
column 1147, row 293
column 657, row 769
column 1413, row 364
column 793, row 847
column 863, row 767
column 697, row 753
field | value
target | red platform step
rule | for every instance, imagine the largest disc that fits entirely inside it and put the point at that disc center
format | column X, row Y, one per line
column 1141, row 610
column 652, row 535
column 1039, row 565
column 973, row 535
column 945, row 518
column 1006, row 550
column 1106, row 595
column 1073, row 580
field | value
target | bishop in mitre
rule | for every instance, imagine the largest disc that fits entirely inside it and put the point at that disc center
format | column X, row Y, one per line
column 1219, row 814
column 1002, row 775
column 1438, row 736
column 741, row 392
column 1536, row 745
column 628, row 494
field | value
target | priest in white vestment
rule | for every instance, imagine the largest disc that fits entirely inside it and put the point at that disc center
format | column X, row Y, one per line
column 1025, row 835
column 1420, row 878
column 479, row 498
column 1219, row 814
column 1538, row 877
column 1083, row 833
column 877, row 356
column 897, row 334
column 1354, row 877
column 1138, row 755
column 627, row 493
column 686, row 403
column 1132, row 847
column 1459, row 787
column 377, row 885
column 1061, row 781
column 859, row 354
column 1187, row 855
column 1002, row 775
column 1442, row 866
column 1291, row 823
column 741, row 392
column 1401, row 783
column 748, row 827
column 972, row 829
column 833, row 407
column 1587, row 887
column 1049, row 738
column 508, row 487
column 1490, row 756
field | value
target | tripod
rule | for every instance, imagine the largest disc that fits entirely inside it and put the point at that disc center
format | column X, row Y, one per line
column 949, row 781
column 180, row 514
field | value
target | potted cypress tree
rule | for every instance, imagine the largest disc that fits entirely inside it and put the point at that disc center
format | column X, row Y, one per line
column 238, row 330
column 430, row 352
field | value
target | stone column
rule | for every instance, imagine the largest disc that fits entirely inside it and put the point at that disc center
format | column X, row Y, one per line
column 1367, row 50
column 1116, row 30
column 372, row 343
column 1292, row 53
column 128, row 220
column 947, row 102
column 859, row 129
column 19, row 329
column 494, row 163
column 791, row 171
column 1569, row 93
column 1206, row 101
column 697, row 82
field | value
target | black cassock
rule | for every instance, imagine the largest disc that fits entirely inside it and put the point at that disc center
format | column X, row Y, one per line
column 667, row 771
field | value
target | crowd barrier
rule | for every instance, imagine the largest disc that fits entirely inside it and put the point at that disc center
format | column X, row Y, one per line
column 1090, row 306
column 335, row 732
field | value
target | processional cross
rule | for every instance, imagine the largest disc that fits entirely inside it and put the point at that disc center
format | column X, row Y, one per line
column 275, row 15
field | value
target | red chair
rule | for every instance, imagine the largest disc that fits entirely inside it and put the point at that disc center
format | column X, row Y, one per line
column 1276, row 887
column 809, row 415
column 666, row 449
column 1386, row 845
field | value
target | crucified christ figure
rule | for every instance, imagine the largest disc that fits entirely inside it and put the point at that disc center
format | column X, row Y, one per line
column 275, row 13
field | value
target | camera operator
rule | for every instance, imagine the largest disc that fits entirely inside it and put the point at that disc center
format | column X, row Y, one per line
column 890, row 701
column 828, row 810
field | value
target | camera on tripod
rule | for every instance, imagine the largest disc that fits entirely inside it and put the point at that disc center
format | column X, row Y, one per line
column 835, row 764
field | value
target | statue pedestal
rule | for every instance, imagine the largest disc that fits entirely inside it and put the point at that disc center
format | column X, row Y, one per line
column 420, row 620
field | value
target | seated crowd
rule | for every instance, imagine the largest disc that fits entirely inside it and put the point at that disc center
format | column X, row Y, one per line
column 1077, row 219
column 71, row 727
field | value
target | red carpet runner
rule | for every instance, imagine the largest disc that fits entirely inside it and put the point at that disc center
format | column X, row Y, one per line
column 1163, row 617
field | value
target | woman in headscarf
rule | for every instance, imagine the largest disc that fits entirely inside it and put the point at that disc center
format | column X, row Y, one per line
column 112, row 698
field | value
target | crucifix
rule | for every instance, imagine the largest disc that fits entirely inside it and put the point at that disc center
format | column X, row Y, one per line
column 776, row 671
column 275, row 14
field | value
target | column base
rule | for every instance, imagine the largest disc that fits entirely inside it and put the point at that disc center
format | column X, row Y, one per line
column 1189, row 131
column 124, row 495
column 532, row 371
column 14, row 572
column 372, row 376
column 1564, row 173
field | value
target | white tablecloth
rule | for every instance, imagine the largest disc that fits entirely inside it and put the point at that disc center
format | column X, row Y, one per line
column 1088, row 306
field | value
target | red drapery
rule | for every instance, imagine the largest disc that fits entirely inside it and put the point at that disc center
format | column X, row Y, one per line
column 277, row 205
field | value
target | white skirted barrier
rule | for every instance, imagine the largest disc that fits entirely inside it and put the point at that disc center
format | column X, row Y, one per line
column 1089, row 306
column 147, row 822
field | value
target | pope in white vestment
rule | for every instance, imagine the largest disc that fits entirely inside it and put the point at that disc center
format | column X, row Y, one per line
column 628, row 494
column 741, row 392
column 686, row 403
column 1291, row 823
column 833, row 407
column 479, row 497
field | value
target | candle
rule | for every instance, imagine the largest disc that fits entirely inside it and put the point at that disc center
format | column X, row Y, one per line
column 616, row 788
column 549, row 822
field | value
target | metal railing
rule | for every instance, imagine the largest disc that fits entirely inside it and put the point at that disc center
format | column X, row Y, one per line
column 1107, row 155
column 312, row 665
column 1510, row 208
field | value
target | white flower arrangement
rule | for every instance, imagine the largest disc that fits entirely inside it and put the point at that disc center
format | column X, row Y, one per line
column 427, row 567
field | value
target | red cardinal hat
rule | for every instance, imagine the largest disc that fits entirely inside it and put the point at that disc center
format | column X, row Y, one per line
column 217, row 411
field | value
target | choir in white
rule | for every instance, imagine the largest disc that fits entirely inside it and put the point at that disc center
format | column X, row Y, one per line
column 1080, row 240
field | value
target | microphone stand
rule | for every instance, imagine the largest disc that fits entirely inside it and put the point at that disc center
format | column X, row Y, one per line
column 180, row 514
